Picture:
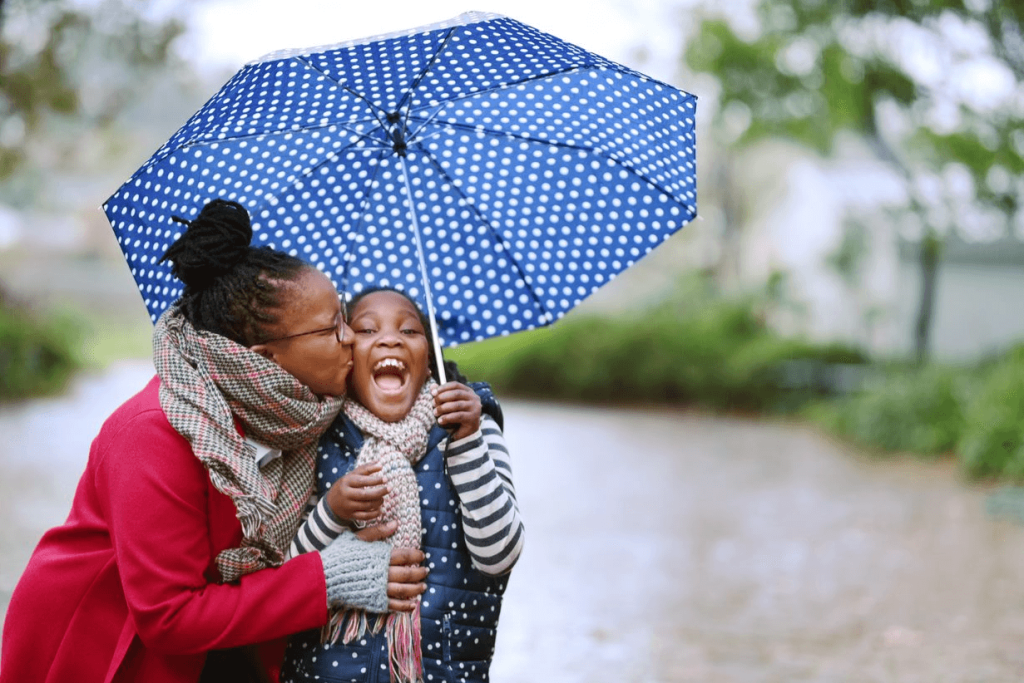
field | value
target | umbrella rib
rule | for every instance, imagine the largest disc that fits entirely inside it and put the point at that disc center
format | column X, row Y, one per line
column 494, row 233
column 201, row 142
column 426, row 122
column 374, row 109
column 504, row 86
column 331, row 156
column 365, row 136
column 407, row 97
column 351, row 258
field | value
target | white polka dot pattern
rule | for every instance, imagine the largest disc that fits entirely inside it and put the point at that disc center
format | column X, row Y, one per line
column 538, row 171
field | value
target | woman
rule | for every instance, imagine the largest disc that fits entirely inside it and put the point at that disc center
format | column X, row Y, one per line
column 194, row 488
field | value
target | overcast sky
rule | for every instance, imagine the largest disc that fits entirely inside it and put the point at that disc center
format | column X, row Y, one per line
column 229, row 33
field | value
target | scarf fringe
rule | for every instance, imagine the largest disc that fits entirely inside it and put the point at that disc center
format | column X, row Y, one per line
column 404, row 646
column 350, row 624
column 402, row 630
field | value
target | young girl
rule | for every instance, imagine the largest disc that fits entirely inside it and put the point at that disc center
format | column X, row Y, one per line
column 441, row 454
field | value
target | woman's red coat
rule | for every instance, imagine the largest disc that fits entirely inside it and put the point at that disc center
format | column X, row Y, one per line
column 124, row 590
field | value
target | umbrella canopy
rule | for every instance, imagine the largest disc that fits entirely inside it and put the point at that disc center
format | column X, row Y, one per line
column 495, row 173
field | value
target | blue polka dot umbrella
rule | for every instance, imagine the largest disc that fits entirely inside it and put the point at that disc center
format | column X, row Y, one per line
column 495, row 173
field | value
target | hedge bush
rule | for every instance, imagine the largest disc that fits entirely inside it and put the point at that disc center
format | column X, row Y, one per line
column 37, row 353
column 694, row 349
column 992, row 442
column 911, row 410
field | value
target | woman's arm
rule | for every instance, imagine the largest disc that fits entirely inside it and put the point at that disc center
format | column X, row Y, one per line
column 322, row 531
column 166, row 525
column 481, row 472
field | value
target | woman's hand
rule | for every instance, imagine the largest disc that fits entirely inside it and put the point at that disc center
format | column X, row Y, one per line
column 457, row 407
column 359, row 495
column 405, row 575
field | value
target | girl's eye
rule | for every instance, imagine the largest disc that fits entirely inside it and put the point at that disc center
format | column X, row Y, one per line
column 408, row 331
column 365, row 330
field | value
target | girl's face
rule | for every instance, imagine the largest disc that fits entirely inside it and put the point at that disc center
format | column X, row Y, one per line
column 311, row 340
column 391, row 355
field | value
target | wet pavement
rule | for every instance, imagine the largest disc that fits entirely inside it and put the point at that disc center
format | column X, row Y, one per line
column 669, row 546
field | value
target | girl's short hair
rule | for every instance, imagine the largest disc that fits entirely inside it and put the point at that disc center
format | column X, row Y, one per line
column 451, row 370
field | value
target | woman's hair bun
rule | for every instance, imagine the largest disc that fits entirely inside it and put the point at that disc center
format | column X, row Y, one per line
column 213, row 244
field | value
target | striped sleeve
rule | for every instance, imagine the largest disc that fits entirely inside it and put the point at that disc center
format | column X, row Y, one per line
column 316, row 533
column 481, row 472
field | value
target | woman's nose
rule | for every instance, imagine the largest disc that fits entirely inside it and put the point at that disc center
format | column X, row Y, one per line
column 348, row 336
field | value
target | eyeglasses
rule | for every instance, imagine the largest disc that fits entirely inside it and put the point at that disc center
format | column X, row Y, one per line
column 338, row 327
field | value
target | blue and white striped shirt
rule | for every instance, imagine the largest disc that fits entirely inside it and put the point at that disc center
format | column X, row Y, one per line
column 481, row 472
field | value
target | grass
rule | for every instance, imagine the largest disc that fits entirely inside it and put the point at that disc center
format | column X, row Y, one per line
column 103, row 341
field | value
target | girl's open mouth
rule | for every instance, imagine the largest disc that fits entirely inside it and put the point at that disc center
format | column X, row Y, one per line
column 390, row 375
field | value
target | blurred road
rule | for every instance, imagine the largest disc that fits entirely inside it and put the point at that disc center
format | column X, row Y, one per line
column 665, row 546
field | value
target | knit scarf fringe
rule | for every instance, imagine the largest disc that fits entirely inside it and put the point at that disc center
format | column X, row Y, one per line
column 402, row 630
column 397, row 446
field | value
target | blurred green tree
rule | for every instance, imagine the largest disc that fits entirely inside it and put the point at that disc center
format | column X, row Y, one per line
column 68, row 70
column 932, row 86
column 83, row 86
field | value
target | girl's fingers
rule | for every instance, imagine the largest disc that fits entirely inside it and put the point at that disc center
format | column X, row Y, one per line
column 365, row 494
column 401, row 605
column 454, row 418
column 367, row 506
column 360, row 481
column 378, row 532
column 454, row 406
column 452, row 391
column 449, row 386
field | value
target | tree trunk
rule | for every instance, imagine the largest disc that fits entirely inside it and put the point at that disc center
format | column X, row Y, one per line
column 729, row 267
column 930, row 253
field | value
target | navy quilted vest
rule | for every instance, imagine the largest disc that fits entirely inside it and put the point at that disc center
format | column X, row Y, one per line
column 460, row 609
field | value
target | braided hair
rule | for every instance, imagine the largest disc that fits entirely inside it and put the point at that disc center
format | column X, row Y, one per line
column 231, row 288
column 451, row 370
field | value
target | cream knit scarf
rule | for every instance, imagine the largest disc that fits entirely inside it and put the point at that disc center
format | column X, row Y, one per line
column 207, row 382
column 397, row 446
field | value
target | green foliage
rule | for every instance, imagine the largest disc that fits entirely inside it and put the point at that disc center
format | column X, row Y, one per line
column 702, row 351
column 36, row 354
column 810, row 103
column 992, row 444
column 694, row 350
column 816, row 72
column 917, row 411
column 976, row 413
column 68, row 69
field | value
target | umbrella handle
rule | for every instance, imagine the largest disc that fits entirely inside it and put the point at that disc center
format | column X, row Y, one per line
column 441, row 379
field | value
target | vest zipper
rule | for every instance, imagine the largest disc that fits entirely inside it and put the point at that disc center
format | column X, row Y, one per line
column 374, row 663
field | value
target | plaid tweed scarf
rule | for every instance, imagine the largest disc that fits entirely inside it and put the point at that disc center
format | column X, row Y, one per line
column 207, row 382
column 397, row 446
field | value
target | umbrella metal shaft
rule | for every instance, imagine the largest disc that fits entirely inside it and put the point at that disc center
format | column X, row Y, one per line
column 423, row 268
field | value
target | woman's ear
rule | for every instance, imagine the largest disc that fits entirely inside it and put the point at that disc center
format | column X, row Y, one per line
column 264, row 351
